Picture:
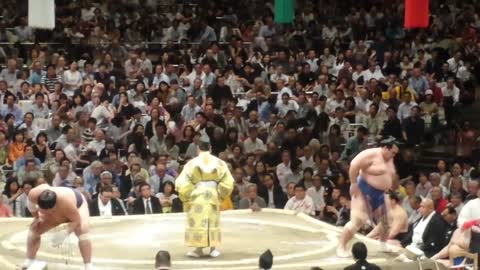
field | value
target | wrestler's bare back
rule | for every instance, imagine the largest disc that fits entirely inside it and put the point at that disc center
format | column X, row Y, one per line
column 65, row 207
column 376, row 171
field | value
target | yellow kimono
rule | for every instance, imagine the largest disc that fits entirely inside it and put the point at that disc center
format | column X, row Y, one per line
column 203, row 184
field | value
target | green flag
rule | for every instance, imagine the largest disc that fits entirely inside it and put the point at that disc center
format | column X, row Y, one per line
column 284, row 11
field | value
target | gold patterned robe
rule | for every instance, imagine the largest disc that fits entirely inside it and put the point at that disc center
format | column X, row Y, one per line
column 202, row 200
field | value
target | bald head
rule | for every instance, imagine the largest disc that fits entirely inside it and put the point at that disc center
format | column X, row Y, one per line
column 426, row 207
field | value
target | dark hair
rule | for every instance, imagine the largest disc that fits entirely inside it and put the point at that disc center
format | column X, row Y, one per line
column 143, row 184
column 308, row 169
column 394, row 196
column 363, row 130
column 107, row 188
column 300, row 185
column 41, row 134
column 169, row 183
column 418, row 199
column 37, row 95
column 29, row 113
column 359, row 251
column 47, row 199
column 451, row 210
column 28, row 182
column 162, row 259
column 66, row 129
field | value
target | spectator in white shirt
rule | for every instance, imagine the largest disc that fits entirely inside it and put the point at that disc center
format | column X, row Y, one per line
column 72, row 79
column 285, row 105
column 373, row 72
column 159, row 77
column 405, row 107
column 98, row 142
column 103, row 113
column 190, row 110
column 321, row 86
column 328, row 59
column 253, row 144
column 40, row 108
column 336, row 102
column 208, row 77
column 455, row 62
column 10, row 74
column 301, row 202
column 307, row 158
column 279, row 75
column 21, row 201
column 451, row 91
column 312, row 60
column 283, row 169
column 316, row 192
column 340, row 120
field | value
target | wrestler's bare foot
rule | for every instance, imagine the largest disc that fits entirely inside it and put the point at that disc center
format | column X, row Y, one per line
column 342, row 252
column 214, row 252
column 196, row 253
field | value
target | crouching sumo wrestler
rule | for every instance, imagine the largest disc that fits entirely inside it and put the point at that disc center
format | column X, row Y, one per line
column 50, row 207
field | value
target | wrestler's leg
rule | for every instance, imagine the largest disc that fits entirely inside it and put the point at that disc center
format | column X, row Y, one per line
column 456, row 244
column 84, row 243
column 37, row 228
column 357, row 220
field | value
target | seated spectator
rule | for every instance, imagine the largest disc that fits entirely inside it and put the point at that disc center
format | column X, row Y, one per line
column 317, row 193
column 252, row 200
column 21, row 209
column 424, row 186
column 301, row 202
column 355, row 144
column 105, row 205
column 427, row 231
column 146, row 204
column 167, row 196
column 359, row 253
column 439, row 202
column 272, row 193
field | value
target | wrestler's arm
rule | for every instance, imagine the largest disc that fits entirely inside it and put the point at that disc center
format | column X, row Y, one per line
column 361, row 162
column 375, row 231
column 31, row 205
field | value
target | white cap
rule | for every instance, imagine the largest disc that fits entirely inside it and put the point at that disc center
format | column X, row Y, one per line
column 429, row 92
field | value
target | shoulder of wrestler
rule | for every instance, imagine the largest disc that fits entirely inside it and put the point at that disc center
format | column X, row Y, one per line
column 366, row 154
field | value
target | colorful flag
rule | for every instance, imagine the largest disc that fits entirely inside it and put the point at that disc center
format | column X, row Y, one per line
column 416, row 13
column 283, row 11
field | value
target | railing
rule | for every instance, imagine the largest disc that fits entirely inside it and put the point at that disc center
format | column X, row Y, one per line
column 139, row 42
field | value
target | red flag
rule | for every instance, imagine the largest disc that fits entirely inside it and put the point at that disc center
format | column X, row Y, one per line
column 416, row 13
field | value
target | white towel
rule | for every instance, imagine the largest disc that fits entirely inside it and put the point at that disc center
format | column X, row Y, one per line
column 41, row 14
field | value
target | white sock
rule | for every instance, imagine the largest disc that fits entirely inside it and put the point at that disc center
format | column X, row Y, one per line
column 88, row 266
column 28, row 262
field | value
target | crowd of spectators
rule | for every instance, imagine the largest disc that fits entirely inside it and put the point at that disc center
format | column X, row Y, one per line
column 116, row 102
